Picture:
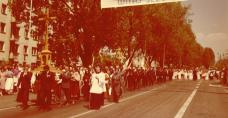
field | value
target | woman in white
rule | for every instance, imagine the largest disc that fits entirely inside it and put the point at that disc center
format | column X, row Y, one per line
column 179, row 74
column 97, row 88
column 9, row 81
column 175, row 75
column 16, row 75
column 206, row 75
column 190, row 74
column 185, row 74
column 199, row 74
column 2, row 81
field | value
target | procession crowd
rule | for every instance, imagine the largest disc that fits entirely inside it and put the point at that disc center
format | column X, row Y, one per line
column 93, row 84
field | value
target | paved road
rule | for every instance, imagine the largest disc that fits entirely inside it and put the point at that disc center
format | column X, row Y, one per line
column 176, row 99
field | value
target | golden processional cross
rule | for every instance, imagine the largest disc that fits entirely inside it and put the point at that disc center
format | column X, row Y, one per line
column 46, row 53
column 46, row 19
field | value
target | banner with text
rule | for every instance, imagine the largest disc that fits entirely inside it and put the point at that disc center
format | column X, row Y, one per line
column 124, row 3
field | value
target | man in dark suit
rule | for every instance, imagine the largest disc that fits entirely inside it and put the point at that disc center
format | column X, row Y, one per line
column 194, row 74
column 159, row 75
column 46, row 78
column 24, row 84
column 170, row 74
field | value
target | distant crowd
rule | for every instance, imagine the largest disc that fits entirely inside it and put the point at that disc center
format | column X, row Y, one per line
column 92, row 84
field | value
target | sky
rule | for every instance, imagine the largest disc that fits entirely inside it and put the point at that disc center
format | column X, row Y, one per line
column 210, row 23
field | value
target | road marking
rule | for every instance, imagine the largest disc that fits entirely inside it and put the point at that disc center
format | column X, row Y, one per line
column 122, row 100
column 3, row 109
column 226, row 91
column 218, row 86
column 184, row 107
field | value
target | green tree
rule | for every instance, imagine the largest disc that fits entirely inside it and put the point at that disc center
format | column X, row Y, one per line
column 222, row 63
column 208, row 57
column 81, row 28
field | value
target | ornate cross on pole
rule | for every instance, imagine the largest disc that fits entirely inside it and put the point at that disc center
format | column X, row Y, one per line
column 45, row 56
column 47, row 18
column 46, row 53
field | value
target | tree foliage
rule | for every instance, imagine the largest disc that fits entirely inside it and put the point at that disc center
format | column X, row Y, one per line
column 81, row 28
column 222, row 63
column 208, row 57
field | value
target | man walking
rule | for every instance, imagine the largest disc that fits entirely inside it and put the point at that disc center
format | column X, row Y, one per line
column 24, row 83
column 47, row 79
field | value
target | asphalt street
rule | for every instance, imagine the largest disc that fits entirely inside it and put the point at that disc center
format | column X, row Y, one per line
column 176, row 99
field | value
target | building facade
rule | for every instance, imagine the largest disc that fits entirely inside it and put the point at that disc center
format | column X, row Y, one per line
column 15, row 46
column 5, row 31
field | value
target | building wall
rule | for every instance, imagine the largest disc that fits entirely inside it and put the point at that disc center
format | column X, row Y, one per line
column 6, row 54
column 5, row 37
column 27, row 56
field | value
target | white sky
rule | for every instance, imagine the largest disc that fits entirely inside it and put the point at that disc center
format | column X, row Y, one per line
column 210, row 23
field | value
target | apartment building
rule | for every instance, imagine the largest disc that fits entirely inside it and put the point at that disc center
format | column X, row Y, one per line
column 5, row 30
column 15, row 46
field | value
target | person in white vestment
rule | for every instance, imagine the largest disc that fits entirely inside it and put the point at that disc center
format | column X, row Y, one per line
column 97, row 88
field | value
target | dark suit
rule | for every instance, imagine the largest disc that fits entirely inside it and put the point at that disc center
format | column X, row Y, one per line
column 86, row 86
column 194, row 75
column 170, row 74
column 25, row 83
column 47, row 80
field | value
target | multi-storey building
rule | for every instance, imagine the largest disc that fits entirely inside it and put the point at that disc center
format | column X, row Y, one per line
column 15, row 46
column 5, row 30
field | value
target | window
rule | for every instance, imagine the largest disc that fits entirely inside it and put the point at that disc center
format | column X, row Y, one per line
column 4, row 9
column 2, row 28
column 15, row 49
column 1, row 46
column 25, row 49
column 26, row 32
column 12, row 43
column 25, row 58
column 15, row 30
column 34, row 50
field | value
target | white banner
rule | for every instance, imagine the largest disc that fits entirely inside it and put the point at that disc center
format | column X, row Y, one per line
column 124, row 3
